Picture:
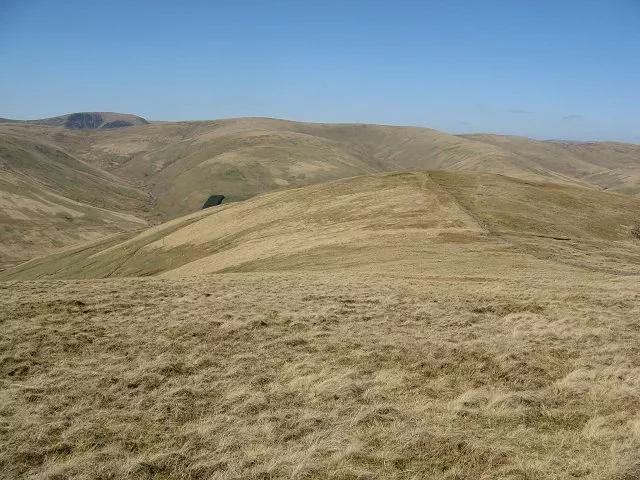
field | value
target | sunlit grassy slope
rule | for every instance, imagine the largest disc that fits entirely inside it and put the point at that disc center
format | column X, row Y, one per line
column 166, row 170
column 50, row 200
column 389, row 303
column 183, row 163
column 384, row 221
column 610, row 165
column 430, row 325
column 512, row 369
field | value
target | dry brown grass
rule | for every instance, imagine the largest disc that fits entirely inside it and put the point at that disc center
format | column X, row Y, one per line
column 390, row 221
column 322, row 375
column 181, row 164
column 610, row 165
column 50, row 200
column 408, row 326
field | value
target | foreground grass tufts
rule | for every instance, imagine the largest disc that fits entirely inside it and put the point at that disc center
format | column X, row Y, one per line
column 316, row 376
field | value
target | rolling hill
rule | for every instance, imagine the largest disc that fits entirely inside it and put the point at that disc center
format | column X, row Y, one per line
column 385, row 221
column 609, row 165
column 50, row 199
column 185, row 162
column 436, row 325
column 165, row 170
column 182, row 163
column 454, row 308
column 86, row 120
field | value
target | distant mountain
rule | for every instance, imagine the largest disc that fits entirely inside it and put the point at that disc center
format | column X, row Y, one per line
column 606, row 165
column 87, row 120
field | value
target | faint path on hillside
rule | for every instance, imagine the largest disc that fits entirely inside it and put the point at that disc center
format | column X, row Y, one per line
column 426, row 179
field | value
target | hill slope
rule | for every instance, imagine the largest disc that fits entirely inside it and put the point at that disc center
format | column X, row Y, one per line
column 179, row 165
column 395, row 326
column 183, row 163
column 385, row 222
column 50, row 200
column 610, row 165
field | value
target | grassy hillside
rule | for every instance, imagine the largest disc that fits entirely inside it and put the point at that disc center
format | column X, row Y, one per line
column 50, row 200
column 183, row 163
column 389, row 220
column 436, row 325
column 507, row 368
column 172, row 168
column 610, row 165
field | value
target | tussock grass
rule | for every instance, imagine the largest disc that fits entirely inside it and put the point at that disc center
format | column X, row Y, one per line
column 322, row 375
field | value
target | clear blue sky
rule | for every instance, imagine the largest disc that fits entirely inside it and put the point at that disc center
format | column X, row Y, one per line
column 546, row 69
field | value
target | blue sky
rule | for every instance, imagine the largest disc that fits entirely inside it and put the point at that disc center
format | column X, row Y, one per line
column 565, row 69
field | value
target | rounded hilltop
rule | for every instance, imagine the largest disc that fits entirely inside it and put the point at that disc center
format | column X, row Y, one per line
column 88, row 120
